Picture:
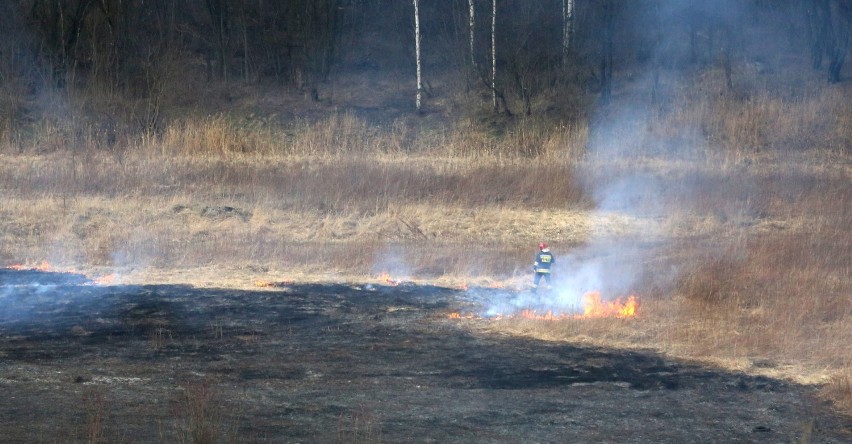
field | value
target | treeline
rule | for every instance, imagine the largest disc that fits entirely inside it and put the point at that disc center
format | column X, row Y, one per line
column 147, row 48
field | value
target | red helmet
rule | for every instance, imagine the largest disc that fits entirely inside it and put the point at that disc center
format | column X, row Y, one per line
column 542, row 246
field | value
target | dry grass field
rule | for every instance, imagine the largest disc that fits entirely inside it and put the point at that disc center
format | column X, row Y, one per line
column 732, row 214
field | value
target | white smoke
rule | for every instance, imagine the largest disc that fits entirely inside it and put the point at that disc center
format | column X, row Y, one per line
column 625, row 224
column 390, row 259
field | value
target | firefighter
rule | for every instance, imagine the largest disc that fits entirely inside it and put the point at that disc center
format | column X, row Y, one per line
column 543, row 260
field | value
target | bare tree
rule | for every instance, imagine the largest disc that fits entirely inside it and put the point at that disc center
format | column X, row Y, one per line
column 567, row 29
column 417, row 53
column 472, row 28
column 494, row 54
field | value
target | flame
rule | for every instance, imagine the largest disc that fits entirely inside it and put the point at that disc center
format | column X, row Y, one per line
column 269, row 284
column 43, row 266
column 593, row 307
column 104, row 280
column 457, row 315
column 386, row 278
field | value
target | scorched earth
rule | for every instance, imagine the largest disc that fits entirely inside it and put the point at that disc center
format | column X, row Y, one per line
column 344, row 363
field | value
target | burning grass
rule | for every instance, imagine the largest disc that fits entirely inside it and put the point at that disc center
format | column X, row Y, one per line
column 592, row 307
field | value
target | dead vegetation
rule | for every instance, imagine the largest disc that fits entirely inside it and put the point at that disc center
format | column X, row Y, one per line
column 755, row 219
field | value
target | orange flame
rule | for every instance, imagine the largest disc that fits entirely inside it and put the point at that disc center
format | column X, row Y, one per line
column 104, row 280
column 386, row 278
column 43, row 266
column 593, row 307
column 269, row 284
column 457, row 315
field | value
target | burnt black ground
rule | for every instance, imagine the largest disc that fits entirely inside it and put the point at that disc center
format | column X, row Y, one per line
column 337, row 363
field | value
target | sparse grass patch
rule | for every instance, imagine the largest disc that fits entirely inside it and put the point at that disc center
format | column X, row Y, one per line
column 197, row 414
column 360, row 427
column 160, row 337
column 94, row 405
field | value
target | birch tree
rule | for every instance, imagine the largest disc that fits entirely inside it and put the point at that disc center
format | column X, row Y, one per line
column 567, row 29
column 494, row 54
column 417, row 53
column 472, row 27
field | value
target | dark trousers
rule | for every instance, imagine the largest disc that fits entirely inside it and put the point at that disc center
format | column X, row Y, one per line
column 537, row 279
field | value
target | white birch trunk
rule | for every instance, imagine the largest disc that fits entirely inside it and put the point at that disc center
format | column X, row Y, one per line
column 567, row 29
column 494, row 53
column 417, row 53
column 472, row 28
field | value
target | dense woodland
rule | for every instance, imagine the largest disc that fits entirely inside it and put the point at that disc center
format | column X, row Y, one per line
column 156, row 53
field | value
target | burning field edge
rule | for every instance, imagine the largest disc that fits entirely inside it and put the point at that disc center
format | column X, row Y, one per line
column 377, row 360
column 616, row 322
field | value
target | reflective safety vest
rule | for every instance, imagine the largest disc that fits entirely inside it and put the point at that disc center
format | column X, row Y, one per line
column 543, row 260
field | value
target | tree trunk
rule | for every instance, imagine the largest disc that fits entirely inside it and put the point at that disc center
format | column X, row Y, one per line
column 494, row 54
column 567, row 29
column 472, row 28
column 417, row 53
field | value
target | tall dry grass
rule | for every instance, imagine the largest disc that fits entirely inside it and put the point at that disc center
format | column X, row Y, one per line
column 709, row 114
column 754, row 216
